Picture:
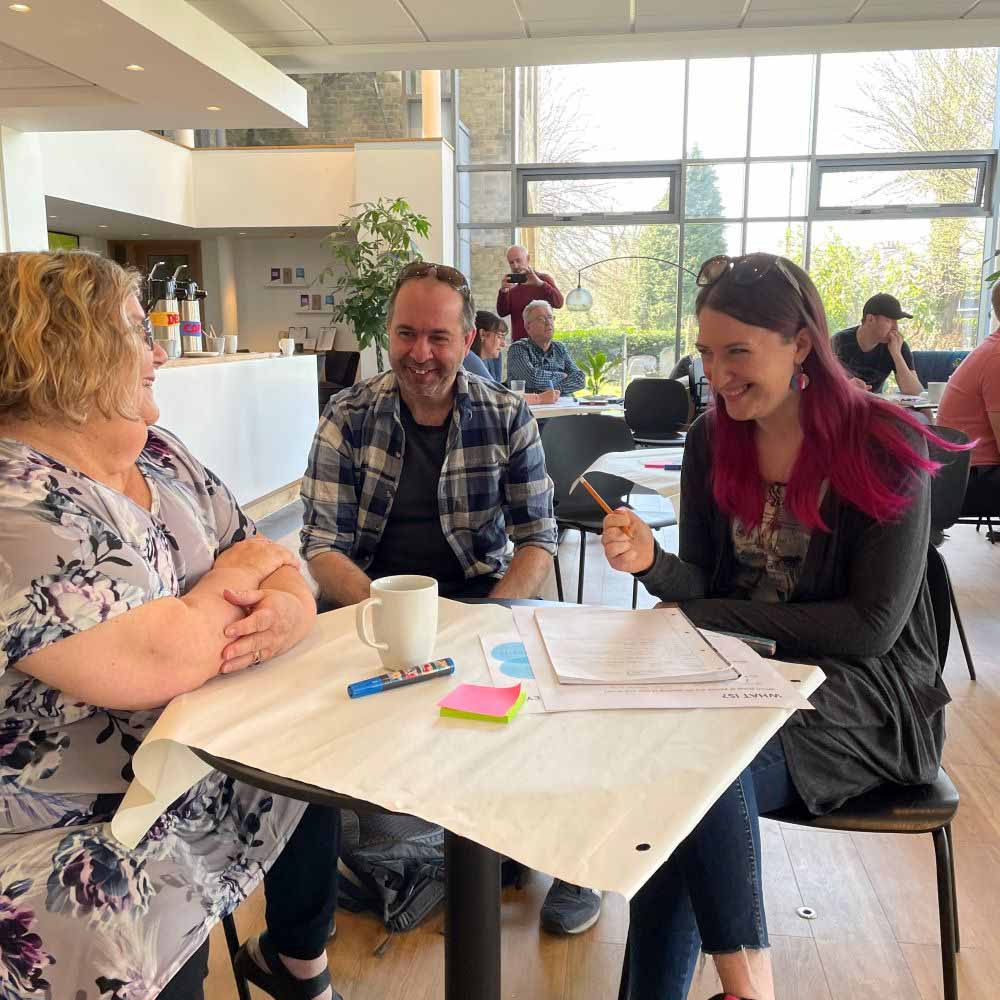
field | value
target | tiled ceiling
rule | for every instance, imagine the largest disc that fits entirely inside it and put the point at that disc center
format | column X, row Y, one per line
column 290, row 24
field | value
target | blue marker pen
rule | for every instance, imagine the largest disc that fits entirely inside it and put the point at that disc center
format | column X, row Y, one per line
column 400, row 678
column 669, row 468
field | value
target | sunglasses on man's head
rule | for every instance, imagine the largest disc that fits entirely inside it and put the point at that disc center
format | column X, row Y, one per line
column 747, row 270
column 449, row 275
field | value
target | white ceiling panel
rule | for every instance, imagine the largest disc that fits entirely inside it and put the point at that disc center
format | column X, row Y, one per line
column 18, row 79
column 250, row 15
column 912, row 10
column 374, row 34
column 351, row 15
column 261, row 39
column 786, row 18
column 686, row 22
column 572, row 10
column 988, row 8
column 688, row 10
column 578, row 26
column 456, row 18
column 13, row 59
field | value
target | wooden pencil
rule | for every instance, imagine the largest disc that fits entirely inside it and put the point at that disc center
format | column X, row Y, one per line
column 600, row 502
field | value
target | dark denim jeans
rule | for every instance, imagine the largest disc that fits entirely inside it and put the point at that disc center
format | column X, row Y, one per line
column 707, row 895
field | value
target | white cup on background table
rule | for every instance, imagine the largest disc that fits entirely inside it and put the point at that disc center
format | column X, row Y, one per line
column 287, row 347
column 935, row 390
column 400, row 619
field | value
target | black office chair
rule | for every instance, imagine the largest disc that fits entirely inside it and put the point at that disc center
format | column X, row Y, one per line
column 571, row 444
column 947, row 497
column 656, row 409
column 340, row 371
column 233, row 944
column 904, row 808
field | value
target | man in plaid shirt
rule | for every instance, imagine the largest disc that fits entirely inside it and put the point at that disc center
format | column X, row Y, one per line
column 426, row 468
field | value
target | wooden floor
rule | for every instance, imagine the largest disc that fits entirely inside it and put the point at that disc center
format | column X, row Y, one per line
column 875, row 935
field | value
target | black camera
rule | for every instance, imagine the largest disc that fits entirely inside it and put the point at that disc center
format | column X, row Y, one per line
column 517, row 279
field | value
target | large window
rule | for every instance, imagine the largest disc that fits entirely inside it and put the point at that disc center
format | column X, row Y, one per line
column 875, row 171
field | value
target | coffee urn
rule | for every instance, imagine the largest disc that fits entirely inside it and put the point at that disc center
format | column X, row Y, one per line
column 163, row 311
column 190, row 297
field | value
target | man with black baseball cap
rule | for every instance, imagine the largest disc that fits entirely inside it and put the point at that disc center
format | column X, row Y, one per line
column 875, row 350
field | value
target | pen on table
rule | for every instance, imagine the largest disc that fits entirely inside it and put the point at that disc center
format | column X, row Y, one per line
column 400, row 678
column 669, row 468
column 600, row 503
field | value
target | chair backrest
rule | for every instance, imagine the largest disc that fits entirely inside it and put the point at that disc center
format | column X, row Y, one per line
column 342, row 367
column 948, row 486
column 937, row 583
column 936, row 366
column 656, row 407
column 571, row 444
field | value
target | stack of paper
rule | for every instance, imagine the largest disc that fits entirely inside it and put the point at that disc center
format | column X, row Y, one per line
column 482, row 703
column 629, row 647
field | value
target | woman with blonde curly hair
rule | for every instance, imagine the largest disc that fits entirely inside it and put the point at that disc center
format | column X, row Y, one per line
column 128, row 575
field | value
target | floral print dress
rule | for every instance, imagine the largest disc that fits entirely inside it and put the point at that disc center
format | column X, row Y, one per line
column 82, row 917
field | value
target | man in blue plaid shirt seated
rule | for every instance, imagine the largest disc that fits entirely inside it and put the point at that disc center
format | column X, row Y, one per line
column 426, row 468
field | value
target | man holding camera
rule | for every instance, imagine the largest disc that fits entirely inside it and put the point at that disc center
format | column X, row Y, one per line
column 523, row 285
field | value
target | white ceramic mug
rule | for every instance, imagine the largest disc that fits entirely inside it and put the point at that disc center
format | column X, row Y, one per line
column 287, row 346
column 230, row 339
column 400, row 620
column 216, row 344
column 935, row 390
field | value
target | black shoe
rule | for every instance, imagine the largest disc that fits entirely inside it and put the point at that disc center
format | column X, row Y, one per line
column 276, row 981
column 726, row 996
column 570, row 909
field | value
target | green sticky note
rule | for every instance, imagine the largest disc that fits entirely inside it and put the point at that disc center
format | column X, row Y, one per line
column 483, row 704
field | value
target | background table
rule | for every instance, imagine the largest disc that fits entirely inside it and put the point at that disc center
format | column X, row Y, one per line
column 544, row 411
column 598, row 798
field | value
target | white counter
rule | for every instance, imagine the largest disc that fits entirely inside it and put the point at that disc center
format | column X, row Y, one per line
column 250, row 421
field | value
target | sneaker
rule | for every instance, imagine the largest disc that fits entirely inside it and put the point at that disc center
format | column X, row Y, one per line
column 570, row 909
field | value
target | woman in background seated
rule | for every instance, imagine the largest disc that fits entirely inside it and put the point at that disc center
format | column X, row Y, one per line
column 806, row 515
column 129, row 575
column 487, row 345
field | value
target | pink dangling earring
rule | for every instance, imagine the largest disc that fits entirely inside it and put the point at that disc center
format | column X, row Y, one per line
column 800, row 380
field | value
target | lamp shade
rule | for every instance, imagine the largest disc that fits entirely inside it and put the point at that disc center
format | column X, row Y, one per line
column 579, row 300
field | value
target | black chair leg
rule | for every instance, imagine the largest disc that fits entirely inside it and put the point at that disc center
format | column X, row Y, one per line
column 946, row 913
column 559, row 589
column 954, row 888
column 583, row 557
column 233, row 943
column 635, row 592
column 958, row 622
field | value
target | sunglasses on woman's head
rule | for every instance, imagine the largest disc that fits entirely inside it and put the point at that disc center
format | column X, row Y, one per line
column 747, row 270
column 144, row 329
column 449, row 275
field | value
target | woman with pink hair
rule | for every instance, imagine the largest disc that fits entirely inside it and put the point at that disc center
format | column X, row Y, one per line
column 806, row 519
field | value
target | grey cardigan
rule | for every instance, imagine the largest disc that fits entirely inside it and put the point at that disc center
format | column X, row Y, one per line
column 861, row 610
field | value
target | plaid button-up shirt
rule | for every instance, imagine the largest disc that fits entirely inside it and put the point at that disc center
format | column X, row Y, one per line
column 493, row 478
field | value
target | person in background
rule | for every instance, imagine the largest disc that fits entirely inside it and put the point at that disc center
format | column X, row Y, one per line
column 491, row 334
column 806, row 516
column 530, row 286
column 971, row 404
column 540, row 361
column 128, row 576
column 875, row 350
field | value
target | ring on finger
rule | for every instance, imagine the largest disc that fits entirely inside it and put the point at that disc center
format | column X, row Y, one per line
column 256, row 657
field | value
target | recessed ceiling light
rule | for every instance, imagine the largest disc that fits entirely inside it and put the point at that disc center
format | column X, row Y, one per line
column 212, row 107
column 143, row 234
column 19, row 8
column 101, row 225
column 135, row 68
column 53, row 216
column 242, row 234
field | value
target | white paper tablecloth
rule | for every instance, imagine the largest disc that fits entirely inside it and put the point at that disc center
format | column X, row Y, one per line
column 631, row 465
column 570, row 794
column 542, row 411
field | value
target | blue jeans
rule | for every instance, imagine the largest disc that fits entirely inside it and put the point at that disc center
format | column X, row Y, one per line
column 707, row 895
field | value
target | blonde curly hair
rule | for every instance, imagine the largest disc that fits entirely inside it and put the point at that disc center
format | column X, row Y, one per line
column 66, row 343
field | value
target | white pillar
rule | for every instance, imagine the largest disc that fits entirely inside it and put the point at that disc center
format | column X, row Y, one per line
column 430, row 89
column 22, row 192
column 227, row 284
column 185, row 136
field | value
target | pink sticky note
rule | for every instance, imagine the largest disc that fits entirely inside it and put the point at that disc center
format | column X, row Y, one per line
column 478, row 699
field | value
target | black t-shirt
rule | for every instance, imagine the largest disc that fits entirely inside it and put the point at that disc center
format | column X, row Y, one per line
column 413, row 540
column 872, row 367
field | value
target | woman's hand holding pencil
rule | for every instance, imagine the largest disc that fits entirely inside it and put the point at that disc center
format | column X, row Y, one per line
column 628, row 541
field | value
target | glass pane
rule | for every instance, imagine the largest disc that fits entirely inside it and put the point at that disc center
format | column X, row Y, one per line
column 931, row 265
column 633, row 317
column 485, row 263
column 782, row 105
column 714, row 190
column 610, row 195
column 936, row 99
column 883, row 188
column 778, row 189
column 701, row 241
column 718, row 101
column 602, row 112
column 342, row 107
column 489, row 195
column 784, row 238
column 484, row 116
